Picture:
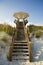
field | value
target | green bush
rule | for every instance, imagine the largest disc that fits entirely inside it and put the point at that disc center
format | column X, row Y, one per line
column 6, row 28
column 4, row 39
column 38, row 34
column 9, row 58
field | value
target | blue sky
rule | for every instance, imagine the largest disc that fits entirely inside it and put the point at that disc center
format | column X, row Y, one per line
column 33, row 7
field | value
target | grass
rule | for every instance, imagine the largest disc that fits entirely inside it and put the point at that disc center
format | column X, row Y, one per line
column 6, row 28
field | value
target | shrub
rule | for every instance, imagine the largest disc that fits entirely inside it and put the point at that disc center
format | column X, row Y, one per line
column 9, row 58
column 38, row 34
column 4, row 39
column 6, row 28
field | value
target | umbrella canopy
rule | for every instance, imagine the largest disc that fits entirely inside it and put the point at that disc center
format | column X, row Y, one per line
column 21, row 15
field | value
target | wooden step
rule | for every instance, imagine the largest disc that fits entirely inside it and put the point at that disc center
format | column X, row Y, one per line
column 15, row 54
column 23, row 41
column 20, row 47
column 20, row 44
column 20, row 28
column 19, row 51
column 20, row 57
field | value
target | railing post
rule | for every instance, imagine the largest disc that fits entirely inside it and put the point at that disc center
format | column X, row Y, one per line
column 30, row 51
column 10, row 53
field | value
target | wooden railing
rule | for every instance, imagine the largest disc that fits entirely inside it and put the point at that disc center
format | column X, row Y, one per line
column 29, row 44
column 11, row 48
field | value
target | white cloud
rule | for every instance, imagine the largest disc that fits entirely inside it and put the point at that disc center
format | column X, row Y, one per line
column 8, row 22
column 33, row 23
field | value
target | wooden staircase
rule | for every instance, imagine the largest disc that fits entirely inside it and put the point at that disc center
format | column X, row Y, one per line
column 20, row 48
column 20, row 51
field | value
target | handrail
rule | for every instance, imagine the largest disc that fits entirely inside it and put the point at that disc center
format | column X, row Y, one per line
column 29, row 44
